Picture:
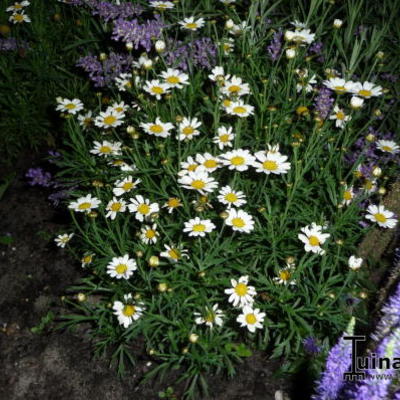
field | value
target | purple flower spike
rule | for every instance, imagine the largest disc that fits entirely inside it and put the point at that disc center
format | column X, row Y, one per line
column 275, row 47
column 324, row 102
column 38, row 177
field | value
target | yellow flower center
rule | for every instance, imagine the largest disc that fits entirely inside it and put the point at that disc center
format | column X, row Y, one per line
column 187, row 130
column 199, row 228
column 380, row 217
column 174, row 253
column 365, row 93
column 157, row 90
column 116, row 206
column 313, row 240
column 241, row 289
column 198, row 184
column 17, row 6
column 84, row 206
column 284, row 275
column 231, row 197
column 18, row 17
column 191, row 25
column 340, row 115
column 239, row 110
column 121, row 269
column 70, row 106
column 368, row 184
column 150, row 234
column 340, row 89
column 129, row 310
column 119, row 109
column 87, row 259
column 210, row 163
column 128, row 84
column 192, row 167
column 156, row 128
column 270, row 165
column 105, row 149
column 210, row 317
column 226, row 103
column 173, row 79
column 224, row 138
column 127, row 186
column 143, row 209
column 347, row 195
column 109, row 120
column 251, row 319
column 237, row 160
column 174, row 202
column 234, row 89
column 387, row 148
column 238, row 222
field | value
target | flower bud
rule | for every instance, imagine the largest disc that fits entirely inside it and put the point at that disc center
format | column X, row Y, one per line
column 193, row 338
column 337, row 23
column 160, row 46
column 290, row 53
column 154, row 261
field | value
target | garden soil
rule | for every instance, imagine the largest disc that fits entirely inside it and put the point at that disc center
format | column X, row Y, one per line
column 58, row 364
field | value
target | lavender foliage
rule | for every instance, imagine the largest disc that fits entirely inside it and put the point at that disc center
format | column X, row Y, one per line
column 103, row 72
column 200, row 53
column 275, row 47
column 323, row 103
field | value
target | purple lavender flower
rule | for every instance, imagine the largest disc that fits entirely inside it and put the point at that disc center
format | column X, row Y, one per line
column 103, row 73
column 199, row 53
column 38, row 177
column 140, row 34
column 12, row 44
column 311, row 346
column 323, row 103
column 337, row 363
column 275, row 47
column 316, row 49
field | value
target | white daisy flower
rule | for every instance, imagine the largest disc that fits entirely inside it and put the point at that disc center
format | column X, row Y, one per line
column 238, row 160
column 313, row 238
column 241, row 294
column 149, row 234
column 85, row 204
column 251, row 318
column 271, row 163
column 119, row 107
column 114, row 207
column 85, row 120
column 19, row 18
column 366, row 90
column 198, row 227
column 211, row 316
column 339, row 85
column 300, row 36
column 339, row 117
column 217, row 74
column 122, row 165
column 143, row 62
column 355, row 263
column 208, row 161
column 18, row 6
column 127, row 312
column 235, row 87
column 157, row 128
column 198, row 180
column 190, row 165
column 383, row 217
column 87, row 259
column 231, row 198
column 240, row 109
column 348, row 195
column 109, row 119
column 142, row 208
column 175, row 78
column 172, row 204
column 224, row 137
column 240, row 221
column 121, row 267
column 62, row 240
column 174, row 253
column 162, row 5
column 192, row 24
column 156, row 88
column 106, row 148
column 123, row 82
column 70, row 106
column 187, row 129
column 370, row 185
column 227, row 45
column 388, row 146
column 285, row 276
column 125, row 185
